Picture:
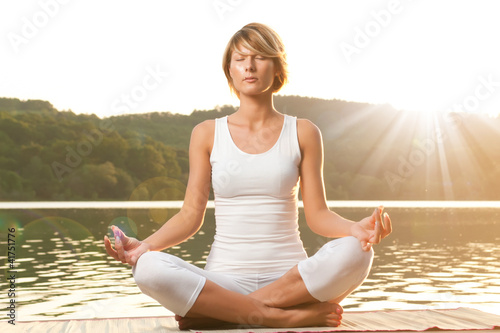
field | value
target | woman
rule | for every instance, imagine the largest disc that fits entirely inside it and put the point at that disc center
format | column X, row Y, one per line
column 255, row 159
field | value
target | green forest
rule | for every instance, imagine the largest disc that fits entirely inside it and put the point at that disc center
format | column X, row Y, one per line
column 372, row 152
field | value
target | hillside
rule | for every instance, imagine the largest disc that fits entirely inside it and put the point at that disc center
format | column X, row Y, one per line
column 371, row 152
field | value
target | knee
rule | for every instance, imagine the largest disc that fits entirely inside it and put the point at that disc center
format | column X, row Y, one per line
column 359, row 259
column 353, row 245
column 346, row 256
column 337, row 269
column 146, row 269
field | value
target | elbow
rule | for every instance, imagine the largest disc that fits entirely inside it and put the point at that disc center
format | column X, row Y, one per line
column 312, row 223
column 317, row 229
column 316, row 221
column 192, row 220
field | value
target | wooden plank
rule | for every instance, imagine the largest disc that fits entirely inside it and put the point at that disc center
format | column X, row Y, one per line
column 465, row 320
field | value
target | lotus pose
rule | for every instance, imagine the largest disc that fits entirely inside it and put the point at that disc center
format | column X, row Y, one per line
column 255, row 160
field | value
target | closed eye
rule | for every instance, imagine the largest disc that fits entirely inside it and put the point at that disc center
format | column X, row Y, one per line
column 258, row 58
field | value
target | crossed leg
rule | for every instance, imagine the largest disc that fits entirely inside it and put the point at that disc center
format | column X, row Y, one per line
column 287, row 302
column 301, row 309
column 307, row 295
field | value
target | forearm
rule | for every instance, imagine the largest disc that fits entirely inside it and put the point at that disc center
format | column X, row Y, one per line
column 179, row 228
column 326, row 223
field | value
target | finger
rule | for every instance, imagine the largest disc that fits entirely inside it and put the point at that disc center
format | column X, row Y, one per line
column 375, row 237
column 119, row 233
column 388, row 224
column 377, row 232
column 122, row 234
column 379, row 225
column 380, row 217
column 109, row 248
column 365, row 246
column 375, row 215
column 120, row 250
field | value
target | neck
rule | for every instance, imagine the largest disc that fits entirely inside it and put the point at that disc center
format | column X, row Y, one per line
column 256, row 108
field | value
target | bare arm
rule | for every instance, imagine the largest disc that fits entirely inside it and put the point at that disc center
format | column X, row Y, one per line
column 319, row 217
column 189, row 219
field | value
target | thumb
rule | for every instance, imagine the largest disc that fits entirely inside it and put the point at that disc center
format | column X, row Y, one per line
column 365, row 245
column 118, row 233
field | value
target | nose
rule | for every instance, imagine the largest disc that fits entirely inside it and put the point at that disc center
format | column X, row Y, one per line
column 249, row 64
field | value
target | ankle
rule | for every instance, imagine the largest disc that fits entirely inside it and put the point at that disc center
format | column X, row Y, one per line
column 277, row 317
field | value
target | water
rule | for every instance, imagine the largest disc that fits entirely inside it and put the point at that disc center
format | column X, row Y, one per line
column 435, row 258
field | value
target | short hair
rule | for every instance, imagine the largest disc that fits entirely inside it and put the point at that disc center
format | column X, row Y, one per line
column 264, row 41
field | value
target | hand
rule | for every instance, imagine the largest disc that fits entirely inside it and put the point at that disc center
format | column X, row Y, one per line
column 127, row 249
column 371, row 229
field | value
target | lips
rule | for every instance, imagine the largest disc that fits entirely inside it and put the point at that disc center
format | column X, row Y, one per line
column 250, row 79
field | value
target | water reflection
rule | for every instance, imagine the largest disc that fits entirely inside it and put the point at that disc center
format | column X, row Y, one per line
column 435, row 259
column 437, row 277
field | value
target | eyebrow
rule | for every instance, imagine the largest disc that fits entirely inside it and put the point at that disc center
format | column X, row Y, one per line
column 241, row 54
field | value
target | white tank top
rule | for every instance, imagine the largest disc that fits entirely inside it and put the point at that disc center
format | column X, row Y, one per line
column 256, row 204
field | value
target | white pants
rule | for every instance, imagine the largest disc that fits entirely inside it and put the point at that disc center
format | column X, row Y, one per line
column 339, row 267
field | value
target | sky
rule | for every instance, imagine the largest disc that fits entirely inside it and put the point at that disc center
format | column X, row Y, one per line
column 119, row 56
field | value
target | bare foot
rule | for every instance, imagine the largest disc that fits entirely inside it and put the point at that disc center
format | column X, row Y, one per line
column 314, row 314
column 186, row 323
column 311, row 314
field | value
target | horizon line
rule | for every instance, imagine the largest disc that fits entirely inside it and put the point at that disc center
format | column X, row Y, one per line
column 217, row 106
column 173, row 204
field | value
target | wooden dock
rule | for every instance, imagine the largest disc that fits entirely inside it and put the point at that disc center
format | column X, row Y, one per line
column 465, row 320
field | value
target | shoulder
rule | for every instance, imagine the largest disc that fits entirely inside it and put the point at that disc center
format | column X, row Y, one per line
column 307, row 126
column 203, row 134
column 204, row 128
column 308, row 133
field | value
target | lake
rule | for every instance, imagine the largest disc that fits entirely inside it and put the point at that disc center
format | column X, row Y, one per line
column 440, row 255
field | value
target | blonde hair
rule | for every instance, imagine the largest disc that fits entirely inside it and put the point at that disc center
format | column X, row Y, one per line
column 264, row 41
